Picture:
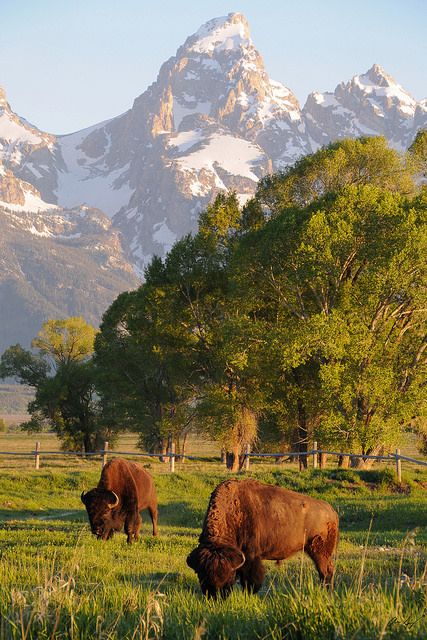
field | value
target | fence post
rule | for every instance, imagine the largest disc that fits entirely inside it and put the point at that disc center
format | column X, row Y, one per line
column 398, row 466
column 172, row 457
column 315, row 455
column 223, row 456
column 105, row 454
column 246, row 460
column 37, row 456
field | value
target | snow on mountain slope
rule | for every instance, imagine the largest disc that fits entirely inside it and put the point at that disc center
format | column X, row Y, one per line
column 372, row 103
column 212, row 120
column 235, row 156
column 17, row 136
column 87, row 177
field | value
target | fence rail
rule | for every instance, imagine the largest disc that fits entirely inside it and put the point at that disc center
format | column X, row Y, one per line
column 395, row 457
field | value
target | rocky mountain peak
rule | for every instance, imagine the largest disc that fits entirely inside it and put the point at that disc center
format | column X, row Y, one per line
column 371, row 103
column 380, row 87
column 219, row 34
column 378, row 76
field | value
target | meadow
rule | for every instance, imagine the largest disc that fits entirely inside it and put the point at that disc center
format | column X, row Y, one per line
column 58, row 581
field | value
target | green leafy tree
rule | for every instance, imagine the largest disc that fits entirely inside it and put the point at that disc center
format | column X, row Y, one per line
column 65, row 341
column 64, row 379
column 338, row 286
column 164, row 350
column 418, row 153
column 349, row 162
column 228, row 400
column 143, row 368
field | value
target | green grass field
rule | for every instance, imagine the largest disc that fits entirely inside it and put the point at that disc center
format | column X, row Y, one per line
column 58, row 581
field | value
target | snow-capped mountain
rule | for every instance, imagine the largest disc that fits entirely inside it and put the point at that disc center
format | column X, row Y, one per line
column 370, row 104
column 212, row 120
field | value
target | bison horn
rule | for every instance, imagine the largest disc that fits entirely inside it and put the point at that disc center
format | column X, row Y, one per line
column 243, row 561
column 82, row 496
column 116, row 503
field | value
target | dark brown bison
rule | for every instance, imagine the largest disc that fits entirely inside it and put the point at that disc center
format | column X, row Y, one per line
column 123, row 490
column 248, row 522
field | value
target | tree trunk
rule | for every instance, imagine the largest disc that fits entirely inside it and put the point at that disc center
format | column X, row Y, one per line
column 363, row 463
column 322, row 460
column 233, row 459
column 344, row 462
column 164, row 450
column 302, row 443
column 87, row 443
column 354, row 462
column 229, row 459
column 184, row 446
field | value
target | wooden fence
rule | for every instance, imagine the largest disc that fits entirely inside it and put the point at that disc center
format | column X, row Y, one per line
column 314, row 454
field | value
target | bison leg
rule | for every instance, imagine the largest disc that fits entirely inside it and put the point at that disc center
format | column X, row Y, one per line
column 153, row 515
column 252, row 575
column 132, row 527
column 320, row 550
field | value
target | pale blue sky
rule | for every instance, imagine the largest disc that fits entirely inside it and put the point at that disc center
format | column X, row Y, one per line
column 68, row 64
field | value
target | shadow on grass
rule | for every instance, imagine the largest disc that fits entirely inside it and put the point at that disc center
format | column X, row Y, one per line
column 48, row 515
column 155, row 580
column 388, row 514
column 181, row 514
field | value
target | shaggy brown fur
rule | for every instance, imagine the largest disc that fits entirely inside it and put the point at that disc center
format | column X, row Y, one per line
column 135, row 490
column 247, row 522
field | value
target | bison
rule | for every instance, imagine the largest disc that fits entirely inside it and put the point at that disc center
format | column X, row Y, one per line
column 248, row 522
column 124, row 489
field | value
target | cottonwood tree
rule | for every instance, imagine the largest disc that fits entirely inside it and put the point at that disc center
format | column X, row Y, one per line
column 349, row 162
column 339, row 287
column 62, row 374
column 163, row 351
column 228, row 396
column 418, row 153
column 142, row 365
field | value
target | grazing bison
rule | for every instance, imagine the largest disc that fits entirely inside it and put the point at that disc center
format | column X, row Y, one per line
column 123, row 490
column 247, row 522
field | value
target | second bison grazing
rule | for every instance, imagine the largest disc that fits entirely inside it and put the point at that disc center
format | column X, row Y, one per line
column 124, row 489
column 248, row 522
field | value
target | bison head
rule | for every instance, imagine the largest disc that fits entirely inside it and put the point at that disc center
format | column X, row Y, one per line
column 100, row 506
column 216, row 567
